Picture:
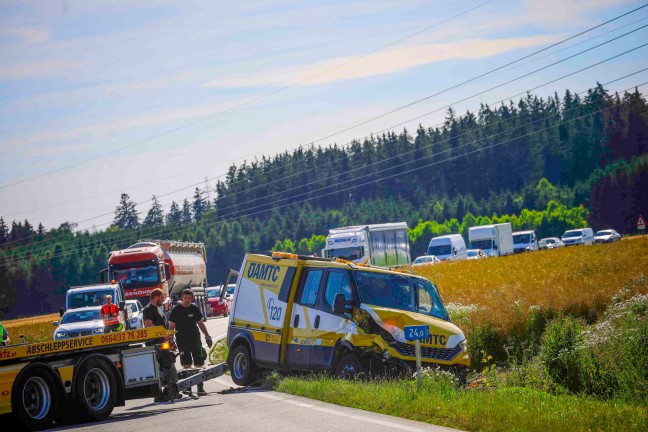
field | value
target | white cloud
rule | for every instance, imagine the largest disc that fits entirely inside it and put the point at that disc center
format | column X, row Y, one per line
column 380, row 63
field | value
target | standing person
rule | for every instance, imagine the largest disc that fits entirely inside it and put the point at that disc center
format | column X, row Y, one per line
column 186, row 319
column 152, row 315
column 4, row 336
column 110, row 315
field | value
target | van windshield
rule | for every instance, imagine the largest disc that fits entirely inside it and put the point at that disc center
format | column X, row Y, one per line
column 88, row 298
column 349, row 254
column 400, row 292
column 570, row 234
column 522, row 238
column 439, row 250
column 481, row 244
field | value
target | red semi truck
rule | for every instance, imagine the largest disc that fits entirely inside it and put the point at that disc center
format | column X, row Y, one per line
column 166, row 264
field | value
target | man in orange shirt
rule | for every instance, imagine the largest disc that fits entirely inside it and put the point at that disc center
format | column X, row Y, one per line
column 110, row 315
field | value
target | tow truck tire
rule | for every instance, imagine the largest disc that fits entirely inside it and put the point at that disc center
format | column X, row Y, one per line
column 95, row 390
column 243, row 369
column 350, row 367
column 36, row 397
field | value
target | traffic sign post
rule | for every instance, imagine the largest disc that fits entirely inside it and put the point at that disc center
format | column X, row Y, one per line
column 641, row 224
column 416, row 333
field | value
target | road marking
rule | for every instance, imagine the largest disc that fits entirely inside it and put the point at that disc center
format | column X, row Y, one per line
column 332, row 411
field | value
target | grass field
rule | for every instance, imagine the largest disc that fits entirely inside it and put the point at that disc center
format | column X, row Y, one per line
column 559, row 340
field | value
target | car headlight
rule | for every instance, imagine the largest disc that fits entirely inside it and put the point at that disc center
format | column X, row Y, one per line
column 58, row 335
column 97, row 331
column 464, row 345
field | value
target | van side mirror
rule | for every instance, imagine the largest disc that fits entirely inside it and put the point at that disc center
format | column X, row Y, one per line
column 61, row 312
column 103, row 275
column 167, row 271
column 122, row 305
column 339, row 304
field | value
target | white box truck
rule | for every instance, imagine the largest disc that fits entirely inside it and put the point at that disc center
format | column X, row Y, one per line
column 383, row 245
column 494, row 240
column 448, row 247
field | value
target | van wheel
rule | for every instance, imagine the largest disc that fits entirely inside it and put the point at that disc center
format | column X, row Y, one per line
column 243, row 369
column 95, row 389
column 350, row 367
column 36, row 399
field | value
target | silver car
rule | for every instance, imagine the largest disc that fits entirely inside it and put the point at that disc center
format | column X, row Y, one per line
column 606, row 236
column 550, row 243
column 136, row 319
column 85, row 321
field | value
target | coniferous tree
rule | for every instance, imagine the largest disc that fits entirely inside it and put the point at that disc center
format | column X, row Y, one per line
column 174, row 216
column 186, row 212
column 4, row 231
column 126, row 214
column 198, row 205
column 155, row 216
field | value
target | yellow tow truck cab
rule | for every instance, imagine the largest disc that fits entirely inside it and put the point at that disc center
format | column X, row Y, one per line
column 83, row 379
column 306, row 313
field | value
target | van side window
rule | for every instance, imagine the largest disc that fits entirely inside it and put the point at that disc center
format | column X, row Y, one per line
column 337, row 282
column 311, row 285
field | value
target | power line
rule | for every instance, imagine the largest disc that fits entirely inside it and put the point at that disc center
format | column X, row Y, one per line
column 244, row 103
column 203, row 225
column 500, row 70
column 454, row 103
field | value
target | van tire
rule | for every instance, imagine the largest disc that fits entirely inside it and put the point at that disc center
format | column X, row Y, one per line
column 243, row 369
column 350, row 367
column 95, row 390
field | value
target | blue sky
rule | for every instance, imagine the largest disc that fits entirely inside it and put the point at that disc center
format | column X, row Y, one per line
column 99, row 98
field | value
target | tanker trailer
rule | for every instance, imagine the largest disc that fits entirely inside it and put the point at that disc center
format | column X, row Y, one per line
column 166, row 264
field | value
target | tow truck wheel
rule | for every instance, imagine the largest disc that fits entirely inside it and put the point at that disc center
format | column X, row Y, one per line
column 349, row 367
column 36, row 398
column 95, row 389
column 244, row 371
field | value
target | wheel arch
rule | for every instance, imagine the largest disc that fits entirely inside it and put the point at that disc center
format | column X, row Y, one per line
column 243, row 338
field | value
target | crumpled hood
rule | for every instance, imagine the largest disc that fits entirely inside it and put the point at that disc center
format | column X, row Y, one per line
column 442, row 333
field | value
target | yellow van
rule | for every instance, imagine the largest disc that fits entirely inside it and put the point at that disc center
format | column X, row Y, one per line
column 306, row 313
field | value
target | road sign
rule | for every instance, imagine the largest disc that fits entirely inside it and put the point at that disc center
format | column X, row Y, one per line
column 417, row 332
column 641, row 224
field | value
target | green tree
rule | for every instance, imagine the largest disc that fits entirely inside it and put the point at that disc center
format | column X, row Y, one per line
column 126, row 214
column 174, row 217
column 155, row 216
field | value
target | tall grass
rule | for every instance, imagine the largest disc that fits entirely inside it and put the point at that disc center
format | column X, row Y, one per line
column 35, row 329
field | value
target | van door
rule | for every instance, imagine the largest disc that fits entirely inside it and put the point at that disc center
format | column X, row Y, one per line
column 329, row 328
column 300, row 331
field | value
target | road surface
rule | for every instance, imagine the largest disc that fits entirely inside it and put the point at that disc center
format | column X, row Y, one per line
column 250, row 410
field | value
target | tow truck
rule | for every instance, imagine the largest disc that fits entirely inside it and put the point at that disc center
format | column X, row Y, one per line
column 86, row 378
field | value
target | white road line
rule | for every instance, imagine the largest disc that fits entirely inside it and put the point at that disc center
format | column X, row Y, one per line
column 332, row 411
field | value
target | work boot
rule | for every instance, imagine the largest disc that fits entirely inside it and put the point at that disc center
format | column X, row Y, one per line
column 201, row 390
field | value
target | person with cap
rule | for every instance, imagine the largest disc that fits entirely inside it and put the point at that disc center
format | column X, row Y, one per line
column 110, row 316
column 186, row 319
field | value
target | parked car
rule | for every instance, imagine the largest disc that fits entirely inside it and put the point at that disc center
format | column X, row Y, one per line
column 550, row 243
column 137, row 310
column 216, row 306
column 606, row 236
column 425, row 260
column 476, row 254
column 85, row 321
column 580, row 236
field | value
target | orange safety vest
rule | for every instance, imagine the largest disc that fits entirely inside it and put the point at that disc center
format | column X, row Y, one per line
column 110, row 314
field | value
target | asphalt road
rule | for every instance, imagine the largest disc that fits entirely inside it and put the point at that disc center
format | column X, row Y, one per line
column 249, row 410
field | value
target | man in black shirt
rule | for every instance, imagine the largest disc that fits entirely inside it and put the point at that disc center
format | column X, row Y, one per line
column 151, row 313
column 185, row 319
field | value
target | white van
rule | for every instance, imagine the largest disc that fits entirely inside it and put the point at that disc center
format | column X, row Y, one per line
column 581, row 236
column 448, row 247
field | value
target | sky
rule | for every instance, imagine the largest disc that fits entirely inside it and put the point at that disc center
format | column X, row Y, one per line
column 100, row 98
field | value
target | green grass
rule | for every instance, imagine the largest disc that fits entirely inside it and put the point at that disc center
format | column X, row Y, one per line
column 507, row 409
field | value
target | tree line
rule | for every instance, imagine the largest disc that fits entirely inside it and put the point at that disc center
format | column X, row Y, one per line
column 548, row 164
